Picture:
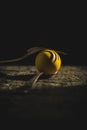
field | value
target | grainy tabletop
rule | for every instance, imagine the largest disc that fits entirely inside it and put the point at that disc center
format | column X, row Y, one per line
column 61, row 96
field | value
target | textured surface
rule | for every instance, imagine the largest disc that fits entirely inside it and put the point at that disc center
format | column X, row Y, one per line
column 12, row 77
column 61, row 96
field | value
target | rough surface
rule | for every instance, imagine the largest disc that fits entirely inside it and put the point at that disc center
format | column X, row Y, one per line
column 61, row 96
column 12, row 77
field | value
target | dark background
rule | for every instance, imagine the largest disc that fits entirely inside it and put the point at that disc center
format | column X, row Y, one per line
column 53, row 25
column 71, row 42
column 63, row 29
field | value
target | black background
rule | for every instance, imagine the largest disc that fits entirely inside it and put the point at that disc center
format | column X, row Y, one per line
column 53, row 25
column 62, row 29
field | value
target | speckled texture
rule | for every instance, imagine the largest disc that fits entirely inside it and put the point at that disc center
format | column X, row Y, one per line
column 61, row 96
column 18, row 76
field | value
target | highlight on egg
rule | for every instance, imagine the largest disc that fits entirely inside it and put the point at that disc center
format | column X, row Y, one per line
column 48, row 61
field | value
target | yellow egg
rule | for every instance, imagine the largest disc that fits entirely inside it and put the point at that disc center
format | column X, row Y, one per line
column 48, row 61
